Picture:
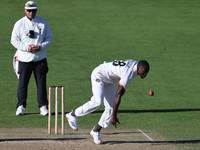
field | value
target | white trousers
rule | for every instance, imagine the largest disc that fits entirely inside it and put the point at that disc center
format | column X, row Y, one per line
column 102, row 94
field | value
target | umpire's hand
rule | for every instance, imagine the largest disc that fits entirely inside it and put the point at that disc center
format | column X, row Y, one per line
column 34, row 48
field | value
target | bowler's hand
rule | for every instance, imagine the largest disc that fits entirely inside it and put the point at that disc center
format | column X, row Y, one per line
column 114, row 120
column 34, row 48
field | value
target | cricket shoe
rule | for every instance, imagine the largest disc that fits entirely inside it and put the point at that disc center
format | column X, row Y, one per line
column 43, row 110
column 96, row 137
column 20, row 110
column 72, row 121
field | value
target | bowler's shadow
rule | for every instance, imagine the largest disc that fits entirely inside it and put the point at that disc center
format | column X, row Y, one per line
column 154, row 142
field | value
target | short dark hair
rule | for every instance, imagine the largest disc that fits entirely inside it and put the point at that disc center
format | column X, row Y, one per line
column 144, row 64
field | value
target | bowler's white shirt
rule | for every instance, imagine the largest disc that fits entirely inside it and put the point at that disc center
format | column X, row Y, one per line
column 120, row 72
column 21, row 41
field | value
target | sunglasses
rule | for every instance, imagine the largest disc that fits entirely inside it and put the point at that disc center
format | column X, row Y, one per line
column 32, row 10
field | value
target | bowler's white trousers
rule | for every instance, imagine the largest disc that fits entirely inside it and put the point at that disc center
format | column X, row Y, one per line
column 102, row 93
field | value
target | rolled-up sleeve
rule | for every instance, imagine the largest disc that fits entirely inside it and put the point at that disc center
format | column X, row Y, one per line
column 48, row 37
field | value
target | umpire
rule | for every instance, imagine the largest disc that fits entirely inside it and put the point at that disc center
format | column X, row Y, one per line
column 31, row 36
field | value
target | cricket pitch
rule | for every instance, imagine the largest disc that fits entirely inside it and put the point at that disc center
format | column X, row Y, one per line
column 38, row 139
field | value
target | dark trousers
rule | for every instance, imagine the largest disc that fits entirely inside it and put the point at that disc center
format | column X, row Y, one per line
column 40, row 70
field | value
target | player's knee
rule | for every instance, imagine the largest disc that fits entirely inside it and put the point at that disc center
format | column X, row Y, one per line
column 97, row 102
column 109, row 111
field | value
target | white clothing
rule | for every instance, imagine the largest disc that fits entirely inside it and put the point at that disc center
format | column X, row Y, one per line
column 103, row 79
column 21, row 41
column 118, row 71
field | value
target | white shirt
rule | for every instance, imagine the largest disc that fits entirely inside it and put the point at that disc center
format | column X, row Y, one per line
column 121, row 72
column 20, row 39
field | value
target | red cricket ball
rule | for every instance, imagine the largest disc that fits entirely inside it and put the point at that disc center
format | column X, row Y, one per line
column 151, row 93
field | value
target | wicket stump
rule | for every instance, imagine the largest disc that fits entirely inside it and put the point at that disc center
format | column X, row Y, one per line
column 56, row 109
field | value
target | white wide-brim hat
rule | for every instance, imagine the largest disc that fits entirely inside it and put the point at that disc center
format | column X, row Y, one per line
column 31, row 5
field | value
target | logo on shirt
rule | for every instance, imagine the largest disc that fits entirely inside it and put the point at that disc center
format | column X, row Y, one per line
column 98, row 80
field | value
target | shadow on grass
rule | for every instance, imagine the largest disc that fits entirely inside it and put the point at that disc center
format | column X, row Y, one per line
column 53, row 113
column 155, row 142
column 153, row 111
column 135, row 111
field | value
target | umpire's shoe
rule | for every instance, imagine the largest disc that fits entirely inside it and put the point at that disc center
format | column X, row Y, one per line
column 20, row 110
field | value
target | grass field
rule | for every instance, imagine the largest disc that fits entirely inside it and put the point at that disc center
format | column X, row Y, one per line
column 89, row 32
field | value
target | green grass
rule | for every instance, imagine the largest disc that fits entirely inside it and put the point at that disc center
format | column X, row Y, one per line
column 88, row 32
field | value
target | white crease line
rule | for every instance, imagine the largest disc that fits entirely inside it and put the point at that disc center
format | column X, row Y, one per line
column 146, row 136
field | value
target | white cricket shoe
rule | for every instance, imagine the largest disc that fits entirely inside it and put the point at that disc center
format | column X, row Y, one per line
column 96, row 137
column 20, row 110
column 43, row 110
column 72, row 121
